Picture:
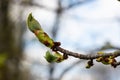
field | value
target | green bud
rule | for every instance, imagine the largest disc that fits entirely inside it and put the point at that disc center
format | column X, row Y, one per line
column 89, row 64
column 55, row 57
column 99, row 59
column 106, row 60
column 45, row 39
column 33, row 24
column 106, row 63
column 35, row 27
column 49, row 57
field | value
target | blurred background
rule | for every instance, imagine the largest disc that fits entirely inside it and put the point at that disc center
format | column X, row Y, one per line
column 83, row 26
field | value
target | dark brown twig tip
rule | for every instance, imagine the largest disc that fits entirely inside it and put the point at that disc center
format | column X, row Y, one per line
column 56, row 44
column 65, row 56
column 91, row 62
column 115, row 64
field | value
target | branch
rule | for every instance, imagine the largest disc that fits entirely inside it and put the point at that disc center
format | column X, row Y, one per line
column 87, row 57
column 57, row 20
column 105, row 58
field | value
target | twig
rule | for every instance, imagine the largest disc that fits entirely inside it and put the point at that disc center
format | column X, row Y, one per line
column 87, row 57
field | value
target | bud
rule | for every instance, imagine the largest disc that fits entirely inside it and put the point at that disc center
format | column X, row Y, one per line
column 49, row 57
column 89, row 64
column 35, row 27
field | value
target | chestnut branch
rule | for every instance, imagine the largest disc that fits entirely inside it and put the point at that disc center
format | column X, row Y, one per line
column 55, row 56
column 86, row 57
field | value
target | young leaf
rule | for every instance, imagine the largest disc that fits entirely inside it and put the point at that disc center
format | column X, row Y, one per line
column 33, row 24
column 49, row 57
column 35, row 27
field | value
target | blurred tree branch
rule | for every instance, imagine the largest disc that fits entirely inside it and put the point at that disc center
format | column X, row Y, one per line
column 54, row 34
column 69, row 68
column 32, row 3
column 77, row 3
column 57, row 20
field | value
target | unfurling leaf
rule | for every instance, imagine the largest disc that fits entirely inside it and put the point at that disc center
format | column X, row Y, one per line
column 35, row 27
column 49, row 57
column 33, row 24
column 54, row 57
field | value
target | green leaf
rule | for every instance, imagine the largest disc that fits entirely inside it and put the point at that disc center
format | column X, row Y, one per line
column 35, row 27
column 45, row 39
column 49, row 57
column 33, row 24
column 55, row 57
